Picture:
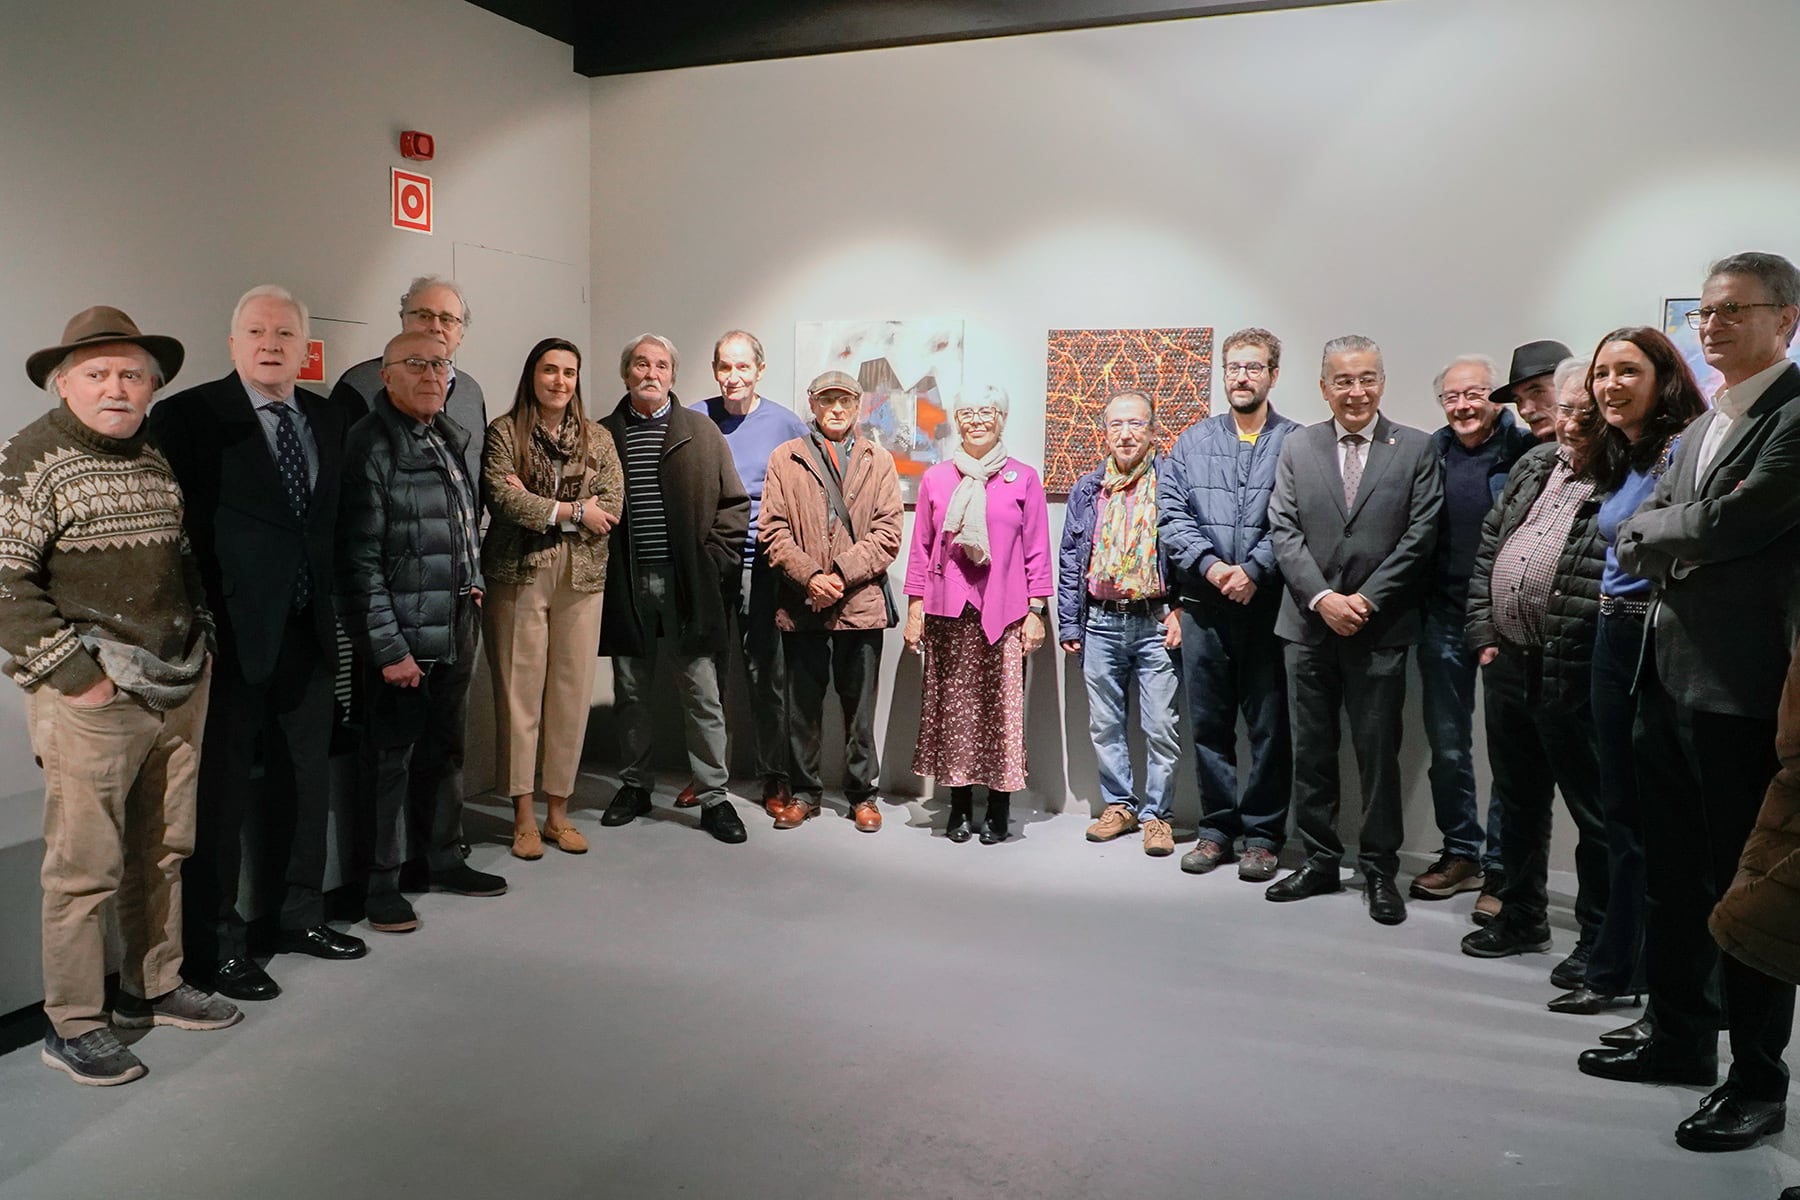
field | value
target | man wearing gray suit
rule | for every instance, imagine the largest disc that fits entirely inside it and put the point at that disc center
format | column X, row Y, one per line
column 1720, row 537
column 1354, row 519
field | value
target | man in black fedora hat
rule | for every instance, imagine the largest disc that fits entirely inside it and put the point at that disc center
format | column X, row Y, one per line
column 107, row 629
column 1530, row 385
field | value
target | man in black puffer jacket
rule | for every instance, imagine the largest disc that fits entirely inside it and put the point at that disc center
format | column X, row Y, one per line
column 408, row 591
column 1533, row 600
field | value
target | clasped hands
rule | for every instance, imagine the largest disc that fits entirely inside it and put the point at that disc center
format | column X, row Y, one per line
column 1233, row 582
column 1344, row 615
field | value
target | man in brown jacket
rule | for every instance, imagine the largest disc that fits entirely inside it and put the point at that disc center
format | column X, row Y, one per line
column 830, row 526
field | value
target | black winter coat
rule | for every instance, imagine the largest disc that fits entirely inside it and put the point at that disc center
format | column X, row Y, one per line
column 398, row 539
column 708, row 512
column 1574, row 604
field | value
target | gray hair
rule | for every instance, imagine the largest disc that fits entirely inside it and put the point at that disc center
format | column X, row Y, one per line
column 1778, row 276
column 430, row 281
column 1350, row 343
column 655, row 339
column 988, row 396
column 1130, row 394
column 736, row 335
column 1566, row 370
column 1466, row 360
column 68, row 360
column 271, row 291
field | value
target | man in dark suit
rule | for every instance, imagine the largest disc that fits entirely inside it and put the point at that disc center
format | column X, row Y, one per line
column 432, row 304
column 1720, row 536
column 1354, row 519
column 258, row 461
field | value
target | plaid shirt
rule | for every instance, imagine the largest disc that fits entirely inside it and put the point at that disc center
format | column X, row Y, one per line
column 1525, row 566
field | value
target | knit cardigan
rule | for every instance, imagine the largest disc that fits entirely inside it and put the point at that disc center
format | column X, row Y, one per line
column 91, row 546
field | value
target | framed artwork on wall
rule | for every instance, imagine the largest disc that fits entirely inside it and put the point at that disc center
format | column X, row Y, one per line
column 1687, row 341
column 911, row 372
column 1085, row 366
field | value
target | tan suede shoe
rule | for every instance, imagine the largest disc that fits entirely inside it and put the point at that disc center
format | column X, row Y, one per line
column 566, row 838
column 526, row 843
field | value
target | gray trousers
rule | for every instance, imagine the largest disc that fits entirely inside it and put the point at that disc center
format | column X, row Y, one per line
column 697, row 679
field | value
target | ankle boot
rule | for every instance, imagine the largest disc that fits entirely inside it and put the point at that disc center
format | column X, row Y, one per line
column 962, row 815
column 999, row 808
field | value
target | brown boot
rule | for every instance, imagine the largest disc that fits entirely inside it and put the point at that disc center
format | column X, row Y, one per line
column 776, row 797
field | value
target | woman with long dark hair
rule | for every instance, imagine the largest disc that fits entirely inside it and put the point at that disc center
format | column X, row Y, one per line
column 1645, row 396
column 552, row 481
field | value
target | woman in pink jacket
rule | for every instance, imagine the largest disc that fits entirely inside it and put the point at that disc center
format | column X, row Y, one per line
column 978, row 581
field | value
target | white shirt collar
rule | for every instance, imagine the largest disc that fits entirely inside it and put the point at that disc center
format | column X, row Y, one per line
column 1734, row 402
column 1366, row 433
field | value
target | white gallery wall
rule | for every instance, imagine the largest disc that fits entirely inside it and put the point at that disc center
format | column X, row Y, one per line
column 1445, row 176
column 166, row 157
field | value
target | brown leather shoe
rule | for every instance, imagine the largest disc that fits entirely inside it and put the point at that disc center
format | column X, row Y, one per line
column 566, row 838
column 868, row 817
column 796, row 814
column 1451, row 874
column 776, row 797
column 526, row 843
column 1117, row 820
column 687, row 797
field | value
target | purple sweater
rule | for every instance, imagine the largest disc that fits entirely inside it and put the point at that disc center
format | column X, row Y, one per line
column 1019, row 566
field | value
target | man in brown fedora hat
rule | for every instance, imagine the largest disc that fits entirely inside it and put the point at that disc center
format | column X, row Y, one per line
column 107, row 629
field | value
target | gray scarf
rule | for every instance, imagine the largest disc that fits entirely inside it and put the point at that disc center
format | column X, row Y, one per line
column 966, row 514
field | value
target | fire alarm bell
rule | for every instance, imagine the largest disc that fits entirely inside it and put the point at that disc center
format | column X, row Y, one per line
column 414, row 144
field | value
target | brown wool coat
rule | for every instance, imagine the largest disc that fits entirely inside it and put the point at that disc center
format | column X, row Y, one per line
column 800, row 538
column 517, row 513
column 1758, row 919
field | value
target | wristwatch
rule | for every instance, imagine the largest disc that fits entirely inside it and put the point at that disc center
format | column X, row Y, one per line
column 1040, row 608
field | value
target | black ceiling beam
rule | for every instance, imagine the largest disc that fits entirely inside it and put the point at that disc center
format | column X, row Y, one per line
column 622, row 37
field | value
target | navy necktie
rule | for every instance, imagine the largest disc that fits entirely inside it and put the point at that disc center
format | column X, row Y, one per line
column 290, row 460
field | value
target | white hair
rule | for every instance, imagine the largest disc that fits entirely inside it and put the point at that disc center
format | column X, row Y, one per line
column 271, row 291
column 62, row 368
column 430, row 281
column 1566, row 370
column 1467, row 360
column 655, row 339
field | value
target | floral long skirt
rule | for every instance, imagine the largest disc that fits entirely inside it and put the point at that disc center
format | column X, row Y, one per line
column 972, row 715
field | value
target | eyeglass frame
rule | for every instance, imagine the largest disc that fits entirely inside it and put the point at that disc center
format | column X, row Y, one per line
column 439, row 366
column 1249, row 370
column 427, row 315
column 1476, row 394
column 1729, row 313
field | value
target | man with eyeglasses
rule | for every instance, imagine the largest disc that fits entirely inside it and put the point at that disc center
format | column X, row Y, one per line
column 432, row 304
column 1113, row 610
column 1354, row 518
column 260, row 460
column 1478, row 444
column 1720, row 538
column 1214, row 507
column 408, row 590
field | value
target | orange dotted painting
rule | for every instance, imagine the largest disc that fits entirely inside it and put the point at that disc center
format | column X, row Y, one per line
column 1085, row 366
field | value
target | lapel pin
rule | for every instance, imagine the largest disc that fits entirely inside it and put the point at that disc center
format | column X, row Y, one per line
column 1011, row 477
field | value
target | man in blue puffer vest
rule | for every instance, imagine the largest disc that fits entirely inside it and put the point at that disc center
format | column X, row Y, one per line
column 1215, row 527
column 1113, row 609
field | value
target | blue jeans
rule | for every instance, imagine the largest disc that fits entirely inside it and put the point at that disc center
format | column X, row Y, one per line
column 1117, row 648
column 1447, row 671
column 1617, row 961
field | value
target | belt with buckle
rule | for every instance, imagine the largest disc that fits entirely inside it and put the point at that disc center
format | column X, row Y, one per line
column 1617, row 606
column 1136, row 608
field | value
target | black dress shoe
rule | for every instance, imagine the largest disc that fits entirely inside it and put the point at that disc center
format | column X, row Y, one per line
column 1571, row 973
column 1644, row 1064
column 1386, row 905
column 1729, row 1121
column 628, row 804
column 242, row 979
column 1497, row 939
column 957, row 828
column 999, row 815
column 464, row 880
column 721, row 820
column 1316, row 877
column 321, row 941
column 1583, row 1002
column 1637, row 1033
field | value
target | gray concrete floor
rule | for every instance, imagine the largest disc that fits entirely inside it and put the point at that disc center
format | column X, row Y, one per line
column 820, row 1014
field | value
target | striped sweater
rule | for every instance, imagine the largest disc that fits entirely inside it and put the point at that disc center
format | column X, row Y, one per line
column 91, row 552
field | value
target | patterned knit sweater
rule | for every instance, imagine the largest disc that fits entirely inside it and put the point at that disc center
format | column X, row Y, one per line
column 91, row 547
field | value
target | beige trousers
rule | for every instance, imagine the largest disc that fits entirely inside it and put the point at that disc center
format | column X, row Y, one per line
column 118, row 821
column 543, row 643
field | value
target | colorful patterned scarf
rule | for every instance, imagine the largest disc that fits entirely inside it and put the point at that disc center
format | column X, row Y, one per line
column 1125, row 542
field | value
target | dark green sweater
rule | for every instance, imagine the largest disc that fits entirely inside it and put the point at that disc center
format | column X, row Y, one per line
column 91, row 546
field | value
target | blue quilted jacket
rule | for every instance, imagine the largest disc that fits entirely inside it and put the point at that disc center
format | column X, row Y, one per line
column 1205, row 518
